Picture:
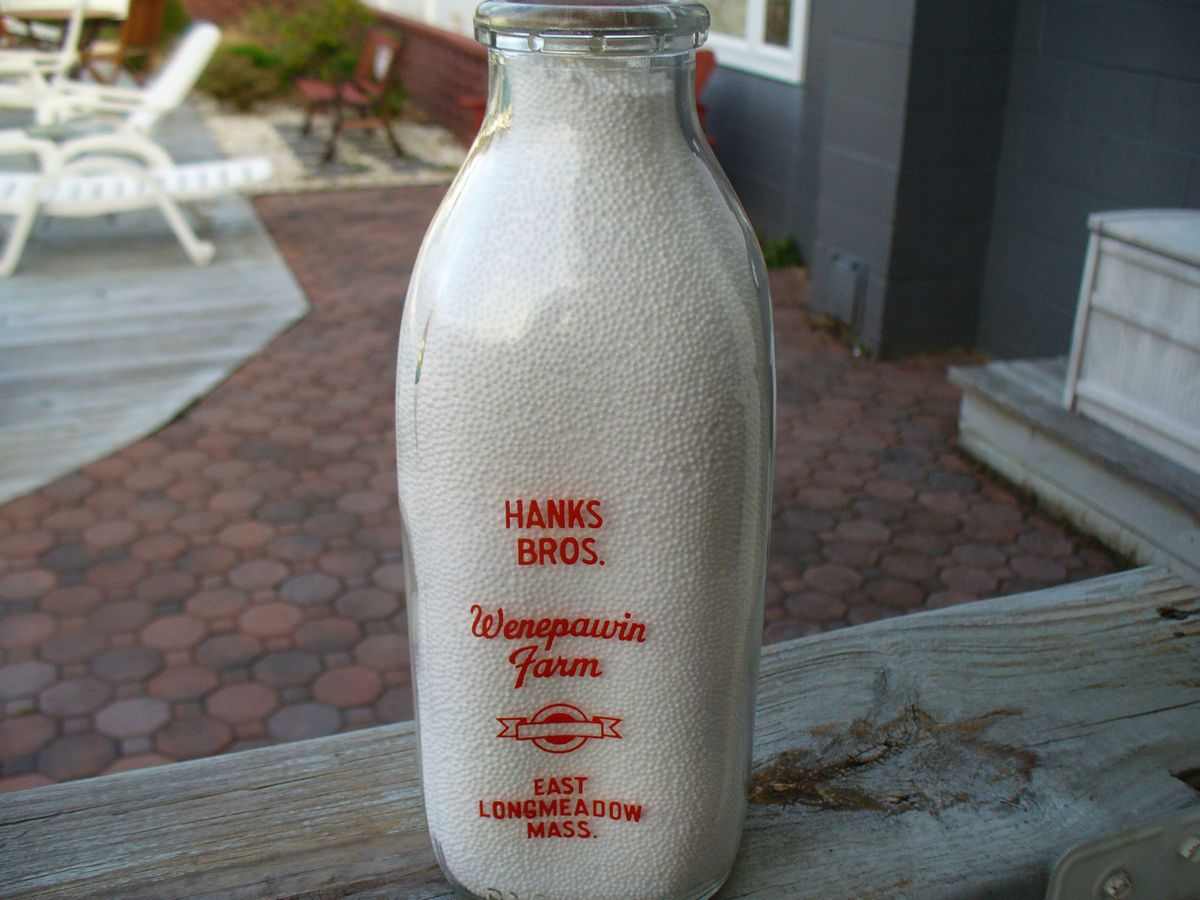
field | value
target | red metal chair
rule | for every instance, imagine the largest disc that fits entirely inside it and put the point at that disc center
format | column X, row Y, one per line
column 366, row 93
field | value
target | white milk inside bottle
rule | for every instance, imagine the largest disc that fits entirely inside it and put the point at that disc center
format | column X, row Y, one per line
column 584, row 416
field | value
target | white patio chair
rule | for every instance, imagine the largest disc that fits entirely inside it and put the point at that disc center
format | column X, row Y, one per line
column 129, row 109
column 112, row 173
column 28, row 76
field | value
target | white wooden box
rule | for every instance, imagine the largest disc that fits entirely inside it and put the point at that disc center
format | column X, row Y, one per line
column 1135, row 355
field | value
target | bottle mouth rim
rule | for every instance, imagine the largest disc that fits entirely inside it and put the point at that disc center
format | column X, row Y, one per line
column 592, row 27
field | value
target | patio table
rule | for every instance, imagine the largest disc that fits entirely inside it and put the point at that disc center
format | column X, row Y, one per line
column 958, row 752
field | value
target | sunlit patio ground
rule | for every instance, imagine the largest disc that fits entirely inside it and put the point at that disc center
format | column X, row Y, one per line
column 236, row 579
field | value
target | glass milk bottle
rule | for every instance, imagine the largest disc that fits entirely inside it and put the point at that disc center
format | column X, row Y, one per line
column 584, row 416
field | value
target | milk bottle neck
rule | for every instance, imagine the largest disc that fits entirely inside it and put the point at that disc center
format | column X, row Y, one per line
column 593, row 98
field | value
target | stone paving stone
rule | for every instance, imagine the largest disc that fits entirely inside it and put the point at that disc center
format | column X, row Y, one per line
column 310, row 589
column 383, row 651
column 139, row 761
column 74, row 697
column 76, row 756
column 193, row 737
column 948, row 598
column 182, row 683
column 348, row 563
column 25, row 735
column 288, row 668
column 132, row 718
column 174, row 633
column 1038, row 568
column 25, row 630
column 219, row 603
column 328, row 635
column 366, row 604
column 258, row 574
column 116, row 575
column 121, row 616
column 24, row 679
column 836, row 580
column 902, row 595
column 813, row 606
column 296, row 547
column 127, row 664
column 158, row 547
column 26, row 545
column 71, row 601
column 968, row 580
column 242, row 703
column 396, row 705
column 270, row 620
column 246, row 536
column 20, row 587
column 390, row 577
column 209, row 560
column 303, row 721
column 228, row 651
column 23, row 782
column 72, row 647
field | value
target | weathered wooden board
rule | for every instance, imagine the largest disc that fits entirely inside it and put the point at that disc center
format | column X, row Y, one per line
column 107, row 331
column 956, row 753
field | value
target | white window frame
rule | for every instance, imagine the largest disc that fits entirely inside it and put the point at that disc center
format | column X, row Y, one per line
column 753, row 54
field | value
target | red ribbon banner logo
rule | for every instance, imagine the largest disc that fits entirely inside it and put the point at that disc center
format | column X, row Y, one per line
column 558, row 728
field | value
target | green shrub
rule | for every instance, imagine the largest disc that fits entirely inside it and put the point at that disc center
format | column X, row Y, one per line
column 238, row 76
column 272, row 45
column 781, row 252
column 323, row 38
column 175, row 20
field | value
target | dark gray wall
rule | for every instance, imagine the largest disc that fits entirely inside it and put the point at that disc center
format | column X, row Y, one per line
column 858, row 148
column 1103, row 113
column 756, row 122
column 912, row 110
column 954, row 118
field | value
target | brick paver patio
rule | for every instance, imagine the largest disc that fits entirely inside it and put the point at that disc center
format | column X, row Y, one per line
column 236, row 579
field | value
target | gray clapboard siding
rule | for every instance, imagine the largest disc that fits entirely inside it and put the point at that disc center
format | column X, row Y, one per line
column 953, row 753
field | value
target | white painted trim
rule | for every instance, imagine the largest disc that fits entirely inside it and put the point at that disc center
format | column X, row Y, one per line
column 1173, row 438
column 1081, row 319
column 754, row 55
column 1161, row 328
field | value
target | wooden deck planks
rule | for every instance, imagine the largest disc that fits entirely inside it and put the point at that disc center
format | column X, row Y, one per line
column 1000, row 734
column 107, row 331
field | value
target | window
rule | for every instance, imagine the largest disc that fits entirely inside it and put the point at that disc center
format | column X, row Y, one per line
column 765, row 37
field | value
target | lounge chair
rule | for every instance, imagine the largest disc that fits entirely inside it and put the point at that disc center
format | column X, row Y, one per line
column 112, row 173
column 135, row 110
column 28, row 76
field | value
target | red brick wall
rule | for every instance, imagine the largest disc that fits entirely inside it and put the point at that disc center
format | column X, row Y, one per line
column 443, row 73
column 223, row 12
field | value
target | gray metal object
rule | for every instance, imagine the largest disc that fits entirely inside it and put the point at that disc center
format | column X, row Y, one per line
column 846, row 288
column 1157, row 860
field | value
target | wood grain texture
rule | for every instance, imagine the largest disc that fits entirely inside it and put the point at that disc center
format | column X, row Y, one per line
column 1028, row 387
column 107, row 331
column 949, row 754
